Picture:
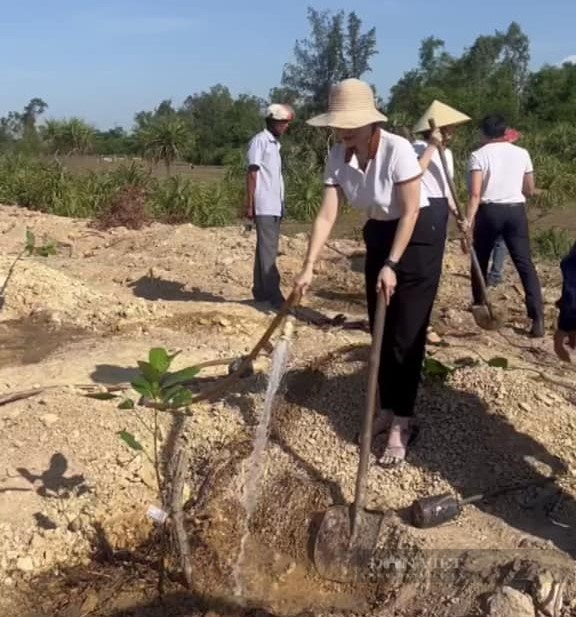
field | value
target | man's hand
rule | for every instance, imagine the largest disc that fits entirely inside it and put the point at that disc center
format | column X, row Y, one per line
column 564, row 344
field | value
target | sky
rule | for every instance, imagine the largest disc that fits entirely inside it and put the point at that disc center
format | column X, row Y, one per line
column 105, row 60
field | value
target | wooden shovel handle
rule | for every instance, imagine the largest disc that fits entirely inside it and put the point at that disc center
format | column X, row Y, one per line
column 367, row 429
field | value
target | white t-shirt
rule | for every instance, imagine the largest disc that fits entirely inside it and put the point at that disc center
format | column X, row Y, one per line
column 503, row 166
column 374, row 190
column 264, row 151
column 434, row 182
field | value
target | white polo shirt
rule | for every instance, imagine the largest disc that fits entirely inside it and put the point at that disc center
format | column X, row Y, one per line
column 503, row 166
column 264, row 151
column 374, row 190
column 434, row 182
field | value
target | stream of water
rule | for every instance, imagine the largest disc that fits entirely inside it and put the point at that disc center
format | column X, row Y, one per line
column 256, row 461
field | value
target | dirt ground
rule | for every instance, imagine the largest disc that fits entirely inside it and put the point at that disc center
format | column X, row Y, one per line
column 74, row 528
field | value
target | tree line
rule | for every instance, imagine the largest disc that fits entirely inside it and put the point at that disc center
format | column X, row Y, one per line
column 213, row 127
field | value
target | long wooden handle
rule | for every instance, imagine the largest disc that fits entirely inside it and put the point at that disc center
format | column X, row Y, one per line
column 225, row 383
column 367, row 432
column 460, row 217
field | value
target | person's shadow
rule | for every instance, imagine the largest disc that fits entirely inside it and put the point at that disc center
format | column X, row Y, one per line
column 53, row 482
column 473, row 447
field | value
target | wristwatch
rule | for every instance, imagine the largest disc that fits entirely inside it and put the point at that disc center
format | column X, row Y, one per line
column 393, row 265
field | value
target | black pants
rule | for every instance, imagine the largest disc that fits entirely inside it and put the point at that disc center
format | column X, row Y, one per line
column 266, row 286
column 510, row 222
column 408, row 314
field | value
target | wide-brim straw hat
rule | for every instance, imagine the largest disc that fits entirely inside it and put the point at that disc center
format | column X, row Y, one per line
column 351, row 106
column 442, row 114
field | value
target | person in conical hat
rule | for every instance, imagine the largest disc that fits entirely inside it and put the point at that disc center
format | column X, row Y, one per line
column 378, row 173
column 434, row 182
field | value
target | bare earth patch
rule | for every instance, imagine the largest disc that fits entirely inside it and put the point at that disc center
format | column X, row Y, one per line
column 73, row 527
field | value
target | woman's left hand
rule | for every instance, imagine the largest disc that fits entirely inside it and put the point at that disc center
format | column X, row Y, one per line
column 387, row 283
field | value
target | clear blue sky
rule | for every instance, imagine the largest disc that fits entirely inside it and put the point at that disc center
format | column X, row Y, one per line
column 105, row 60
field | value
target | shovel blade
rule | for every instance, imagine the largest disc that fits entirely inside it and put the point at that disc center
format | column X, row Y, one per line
column 488, row 319
column 337, row 555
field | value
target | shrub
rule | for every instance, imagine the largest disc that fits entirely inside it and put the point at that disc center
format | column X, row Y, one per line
column 554, row 243
column 127, row 209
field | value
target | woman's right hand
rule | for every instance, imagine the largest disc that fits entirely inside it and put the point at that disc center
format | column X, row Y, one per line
column 304, row 279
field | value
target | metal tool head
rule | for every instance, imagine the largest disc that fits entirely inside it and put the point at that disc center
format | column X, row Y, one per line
column 436, row 510
column 235, row 366
column 488, row 318
column 339, row 554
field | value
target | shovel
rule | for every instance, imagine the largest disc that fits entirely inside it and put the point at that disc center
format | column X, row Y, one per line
column 439, row 509
column 485, row 315
column 348, row 534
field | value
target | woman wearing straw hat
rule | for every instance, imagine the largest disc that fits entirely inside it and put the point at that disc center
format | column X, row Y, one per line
column 379, row 173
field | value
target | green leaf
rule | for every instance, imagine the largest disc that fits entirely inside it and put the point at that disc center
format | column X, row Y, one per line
column 498, row 362
column 159, row 359
column 149, row 372
column 126, row 404
column 435, row 368
column 169, row 393
column 130, row 440
column 181, row 399
column 102, row 396
column 143, row 386
column 180, row 377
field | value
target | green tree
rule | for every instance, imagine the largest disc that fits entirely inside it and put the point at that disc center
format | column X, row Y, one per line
column 68, row 137
column 336, row 49
column 489, row 76
column 164, row 138
column 223, row 124
column 551, row 94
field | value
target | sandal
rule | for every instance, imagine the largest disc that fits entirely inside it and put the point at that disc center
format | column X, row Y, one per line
column 395, row 455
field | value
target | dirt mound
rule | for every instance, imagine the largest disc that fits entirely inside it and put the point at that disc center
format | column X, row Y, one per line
column 72, row 490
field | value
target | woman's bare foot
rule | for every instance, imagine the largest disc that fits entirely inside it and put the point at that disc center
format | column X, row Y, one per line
column 397, row 445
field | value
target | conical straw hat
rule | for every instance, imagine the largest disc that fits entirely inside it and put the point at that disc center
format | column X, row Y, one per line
column 443, row 115
column 351, row 106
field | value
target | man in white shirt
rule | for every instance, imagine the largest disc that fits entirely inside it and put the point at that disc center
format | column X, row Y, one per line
column 501, row 178
column 264, row 202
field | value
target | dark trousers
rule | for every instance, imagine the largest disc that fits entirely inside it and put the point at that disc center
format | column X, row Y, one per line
column 408, row 314
column 266, row 287
column 510, row 222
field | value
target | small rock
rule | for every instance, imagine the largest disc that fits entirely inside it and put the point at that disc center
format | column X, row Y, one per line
column 25, row 564
column 508, row 602
column 525, row 407
column 49, row 419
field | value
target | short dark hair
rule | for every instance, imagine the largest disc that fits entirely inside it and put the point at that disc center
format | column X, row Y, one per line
column 494, row 126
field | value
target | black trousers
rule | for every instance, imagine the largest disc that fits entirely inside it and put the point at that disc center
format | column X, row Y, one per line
column 510, row 222
column 408, row 314
column 266, row 285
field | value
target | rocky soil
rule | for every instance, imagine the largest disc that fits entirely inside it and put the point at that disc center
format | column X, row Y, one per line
column 70, row 488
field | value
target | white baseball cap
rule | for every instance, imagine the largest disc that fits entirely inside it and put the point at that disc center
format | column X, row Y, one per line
column 280, row 112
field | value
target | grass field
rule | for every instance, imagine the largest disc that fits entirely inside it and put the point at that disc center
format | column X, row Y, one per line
column 83, row 163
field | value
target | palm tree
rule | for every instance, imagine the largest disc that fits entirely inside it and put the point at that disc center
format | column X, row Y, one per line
column 164, row 138
column 67, row 137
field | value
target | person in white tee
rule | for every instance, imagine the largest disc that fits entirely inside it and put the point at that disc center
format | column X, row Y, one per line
column 378, row 173
column 501, row 178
